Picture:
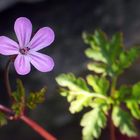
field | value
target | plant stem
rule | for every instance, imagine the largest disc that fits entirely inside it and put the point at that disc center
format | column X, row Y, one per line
column 113, row 86
column 6, row 79
column 10, row 115
column 112, row 128
column 112, row 131
column 6, row 110
column 37, row 128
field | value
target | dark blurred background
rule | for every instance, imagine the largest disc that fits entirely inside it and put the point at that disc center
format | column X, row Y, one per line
column 68, row 18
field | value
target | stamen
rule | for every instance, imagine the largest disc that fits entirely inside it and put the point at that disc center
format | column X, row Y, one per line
column 24, row 51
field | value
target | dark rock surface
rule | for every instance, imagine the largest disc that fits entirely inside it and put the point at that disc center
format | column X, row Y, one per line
column 68, row 19
column 7, row 3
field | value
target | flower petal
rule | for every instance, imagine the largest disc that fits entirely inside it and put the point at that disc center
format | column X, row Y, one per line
column 42, row 62
column 43, row 38
column 23, row 30
column 8, row 46
column 22, row 64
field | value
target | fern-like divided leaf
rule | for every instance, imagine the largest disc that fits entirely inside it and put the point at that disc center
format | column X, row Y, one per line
column 71, row 82
column 21, row 101
column 136, row 92
column 19, row 98
column 97, row 67
column 109, row 59
column 99, row 44
column 19, row 95
column 36, row 98
column 77, row 91
column 134, row 102
column 134, row 108
column 123, row 94
column 109, row 56
column 99, row 84
column 123, row 121
column 92, row 123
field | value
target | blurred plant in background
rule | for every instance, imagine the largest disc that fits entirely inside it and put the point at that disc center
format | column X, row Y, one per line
column 100, row 92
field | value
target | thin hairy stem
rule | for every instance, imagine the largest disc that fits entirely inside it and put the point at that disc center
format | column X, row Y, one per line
column 6, row 79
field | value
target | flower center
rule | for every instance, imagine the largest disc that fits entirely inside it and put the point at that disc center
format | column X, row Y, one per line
column 24, row 50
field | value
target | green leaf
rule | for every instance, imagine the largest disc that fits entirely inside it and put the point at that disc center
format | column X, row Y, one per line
column 80, row 101
column 88, row 39
column 123, row 93
column 71, row 82
column 19, row 99
column 134, row 108
column 36, row 98
column 98, row 102
column 64, row 92
column 3, row 120
column 99, row 46
column 19, row 94
column 126, row 58
column 99, row 84
column 92, row 123
column 76, row 91
column 116, row 46
column 97, row 67
column 136, row 91
column 95, row 55
column 109, row 56
column 123, row 121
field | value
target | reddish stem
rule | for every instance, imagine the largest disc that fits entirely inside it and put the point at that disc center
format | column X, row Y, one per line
column 6, row 110
column 111, row 127
column 10, row 115
column 112, row 131
column 37, row 128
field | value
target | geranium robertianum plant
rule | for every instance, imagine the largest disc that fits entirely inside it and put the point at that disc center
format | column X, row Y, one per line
column 99, row 90
column 23, row 54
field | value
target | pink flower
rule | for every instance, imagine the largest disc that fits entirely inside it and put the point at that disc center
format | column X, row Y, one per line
column 26, row 50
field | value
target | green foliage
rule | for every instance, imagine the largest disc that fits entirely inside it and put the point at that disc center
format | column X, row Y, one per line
column 3, row 120
column 134, row 101
column 78, row 92
column 123, row 121
column 70, row 81
column 100, row 92
column 21, row 100
column 36, row 98
column 99, row 84
column 109, row 56
column 136, row 91
column 124, row 93
column 93, row 121
column 134, row 109
column 97, row 67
